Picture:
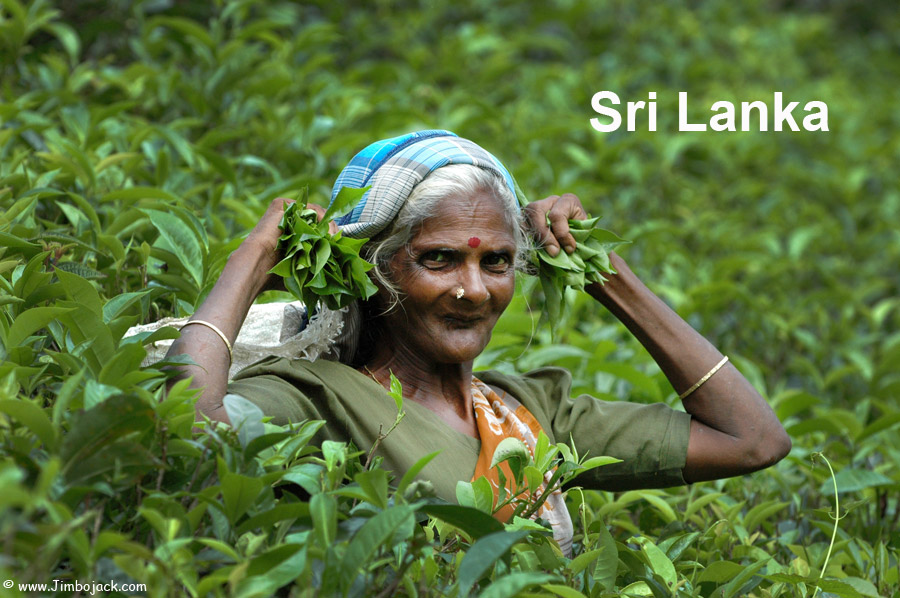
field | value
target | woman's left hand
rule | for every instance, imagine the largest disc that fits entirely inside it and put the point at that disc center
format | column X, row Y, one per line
column 558, row 209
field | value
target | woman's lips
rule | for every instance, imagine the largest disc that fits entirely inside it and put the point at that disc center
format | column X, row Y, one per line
column 463, row 320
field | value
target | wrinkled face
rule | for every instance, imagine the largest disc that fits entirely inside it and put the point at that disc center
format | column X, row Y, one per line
column 466, row 244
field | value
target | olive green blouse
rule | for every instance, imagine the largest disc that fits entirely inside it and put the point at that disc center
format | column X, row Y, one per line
column 651, row 439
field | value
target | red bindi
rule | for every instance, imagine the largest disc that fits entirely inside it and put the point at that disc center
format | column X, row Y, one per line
column 474, row 242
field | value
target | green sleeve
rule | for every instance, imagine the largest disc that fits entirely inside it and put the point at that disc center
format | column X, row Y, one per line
column 651, row 440
column 278, row 396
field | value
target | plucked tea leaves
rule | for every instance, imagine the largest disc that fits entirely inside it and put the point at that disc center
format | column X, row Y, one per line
column 318, row 266
column 586, row 265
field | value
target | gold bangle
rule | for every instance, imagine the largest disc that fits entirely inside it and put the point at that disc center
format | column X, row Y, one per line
column 215, row 329
column 700, row 382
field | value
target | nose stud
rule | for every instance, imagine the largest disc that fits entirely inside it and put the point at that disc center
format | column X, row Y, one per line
column 460, row 293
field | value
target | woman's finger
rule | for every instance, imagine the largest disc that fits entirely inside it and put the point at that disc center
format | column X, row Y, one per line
column 268, row 229
column 573, row 206
column 559, row 224
column 567, row 207
column 266, row 235
column 536, row 212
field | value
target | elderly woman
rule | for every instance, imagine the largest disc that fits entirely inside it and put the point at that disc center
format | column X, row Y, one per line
column 446, row 237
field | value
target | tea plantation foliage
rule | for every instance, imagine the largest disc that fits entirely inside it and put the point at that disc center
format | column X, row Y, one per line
column 140, row 140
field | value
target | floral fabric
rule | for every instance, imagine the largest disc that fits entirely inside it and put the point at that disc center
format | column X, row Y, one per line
column 499, row 417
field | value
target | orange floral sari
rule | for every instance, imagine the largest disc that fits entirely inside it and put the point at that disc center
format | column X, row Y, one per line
column 501, row 417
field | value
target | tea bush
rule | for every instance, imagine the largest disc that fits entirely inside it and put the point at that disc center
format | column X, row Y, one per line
column 139, row 140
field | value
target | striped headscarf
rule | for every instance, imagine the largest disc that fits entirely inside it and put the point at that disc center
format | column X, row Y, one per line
column 392, row 167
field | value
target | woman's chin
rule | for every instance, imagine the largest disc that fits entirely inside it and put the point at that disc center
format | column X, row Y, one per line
column 463, row 349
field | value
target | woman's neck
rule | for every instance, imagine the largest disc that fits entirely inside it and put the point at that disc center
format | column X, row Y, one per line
column 445, row 389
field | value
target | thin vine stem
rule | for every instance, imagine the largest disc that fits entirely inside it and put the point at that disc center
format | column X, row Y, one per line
column 836, row 517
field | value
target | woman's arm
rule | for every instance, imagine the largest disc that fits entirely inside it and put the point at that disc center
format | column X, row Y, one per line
column 733, row 429
column 245, row 276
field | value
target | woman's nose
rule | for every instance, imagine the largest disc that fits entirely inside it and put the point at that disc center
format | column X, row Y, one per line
column 474, row 285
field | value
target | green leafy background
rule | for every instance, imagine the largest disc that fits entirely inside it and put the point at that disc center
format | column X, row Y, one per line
column 140, row 140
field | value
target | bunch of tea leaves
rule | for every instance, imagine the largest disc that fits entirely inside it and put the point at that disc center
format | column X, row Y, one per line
column 318, row 266
column 587, row 264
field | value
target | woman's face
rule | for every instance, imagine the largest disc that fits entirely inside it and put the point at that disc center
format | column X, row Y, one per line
column 467, row 244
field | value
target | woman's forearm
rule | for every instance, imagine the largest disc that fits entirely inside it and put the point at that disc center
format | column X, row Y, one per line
column 733, row 430
column 682, row 353
column 245, row 276
column 226, row 306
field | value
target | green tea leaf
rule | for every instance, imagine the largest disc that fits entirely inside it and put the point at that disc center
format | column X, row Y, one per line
column 323, row 509
column 413, row 471
column 511, row 449
column 320, row 266
column 273, row 569
column 659, row 562
column 183, row 241
column 853, row 480
column 33, row 417
column 512, row 584
column 472, row 521
column 562, row 591
column 99, row 428
column 587, row 264
column 239, row 492
column 482, row 556
column 371, row 535
column 30, row 321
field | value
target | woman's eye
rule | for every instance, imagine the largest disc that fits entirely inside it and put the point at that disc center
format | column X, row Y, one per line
column 497, row 261
column 435, row 258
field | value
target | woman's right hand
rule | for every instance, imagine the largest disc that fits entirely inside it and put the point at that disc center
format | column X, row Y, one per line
column 265, row 236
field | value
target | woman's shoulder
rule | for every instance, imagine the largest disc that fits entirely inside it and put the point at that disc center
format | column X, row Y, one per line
column 295, row 389
column 322, row 370
column 287, row 379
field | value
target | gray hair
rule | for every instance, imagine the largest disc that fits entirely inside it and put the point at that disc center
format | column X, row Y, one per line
column 442, row 183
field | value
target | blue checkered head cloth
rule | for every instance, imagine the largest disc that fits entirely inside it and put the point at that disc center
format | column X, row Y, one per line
column 392, row 167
